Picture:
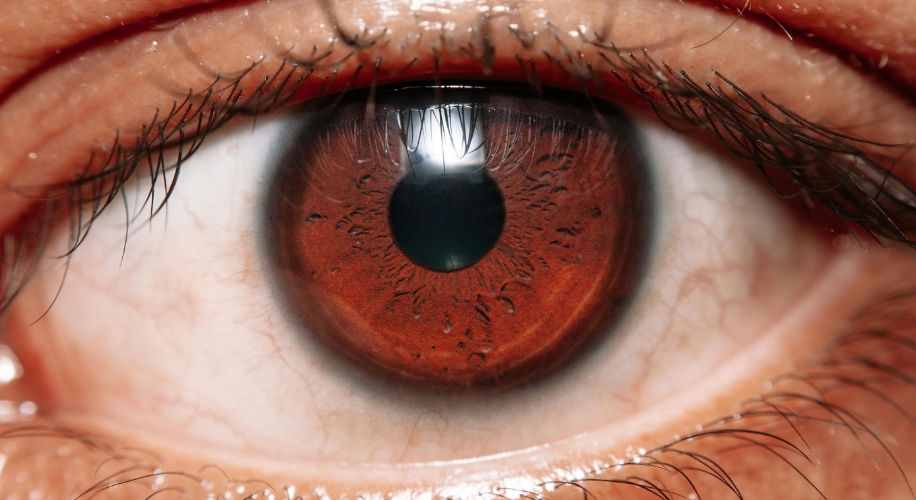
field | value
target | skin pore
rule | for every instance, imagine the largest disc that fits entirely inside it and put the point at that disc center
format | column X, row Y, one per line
column 834, row 423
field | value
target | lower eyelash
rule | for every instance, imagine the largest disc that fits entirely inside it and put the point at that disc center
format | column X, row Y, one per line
column 773, row 434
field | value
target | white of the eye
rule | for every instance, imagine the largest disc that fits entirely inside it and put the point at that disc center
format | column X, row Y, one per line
column 187, row 339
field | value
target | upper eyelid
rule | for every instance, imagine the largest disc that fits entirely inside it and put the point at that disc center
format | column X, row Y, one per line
column 293, row 49
column 663, row 86
column 774, row 137
column 124, row 19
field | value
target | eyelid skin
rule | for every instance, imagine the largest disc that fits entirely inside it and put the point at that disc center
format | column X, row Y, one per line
column 876, row 33
column 55, row 25
column 153, row 70
column 876, row 30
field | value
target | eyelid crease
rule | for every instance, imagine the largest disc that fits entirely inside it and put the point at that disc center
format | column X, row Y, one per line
column 83, row 29
column 873, row 36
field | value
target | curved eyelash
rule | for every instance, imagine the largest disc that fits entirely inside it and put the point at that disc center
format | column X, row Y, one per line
column 161, row 147
column 825, row 167
column 838, row 170
column 776, row 439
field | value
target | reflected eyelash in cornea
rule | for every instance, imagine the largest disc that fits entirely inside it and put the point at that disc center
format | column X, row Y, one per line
column 775, row 446
column 827, row 168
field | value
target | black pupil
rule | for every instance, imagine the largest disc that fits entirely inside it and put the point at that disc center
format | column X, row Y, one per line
column 447, row 222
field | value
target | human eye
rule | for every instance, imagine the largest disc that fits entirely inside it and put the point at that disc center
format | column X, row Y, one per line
column 765, row 352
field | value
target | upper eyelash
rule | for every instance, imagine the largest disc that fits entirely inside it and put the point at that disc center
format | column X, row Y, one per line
column 837, row 170
column 825, row 165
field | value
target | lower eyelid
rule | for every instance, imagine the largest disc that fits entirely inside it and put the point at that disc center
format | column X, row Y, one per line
column 59, row 448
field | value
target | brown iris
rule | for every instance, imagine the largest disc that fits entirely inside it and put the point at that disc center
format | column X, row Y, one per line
column 460, row 238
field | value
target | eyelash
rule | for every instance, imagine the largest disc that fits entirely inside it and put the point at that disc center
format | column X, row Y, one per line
column 825, row 167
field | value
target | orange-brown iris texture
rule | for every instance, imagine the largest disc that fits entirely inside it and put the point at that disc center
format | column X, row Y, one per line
column 460, row 237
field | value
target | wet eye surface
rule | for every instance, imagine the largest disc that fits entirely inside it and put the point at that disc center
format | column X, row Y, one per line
column 228, row 359
column 231, row 350
column 461, row 238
